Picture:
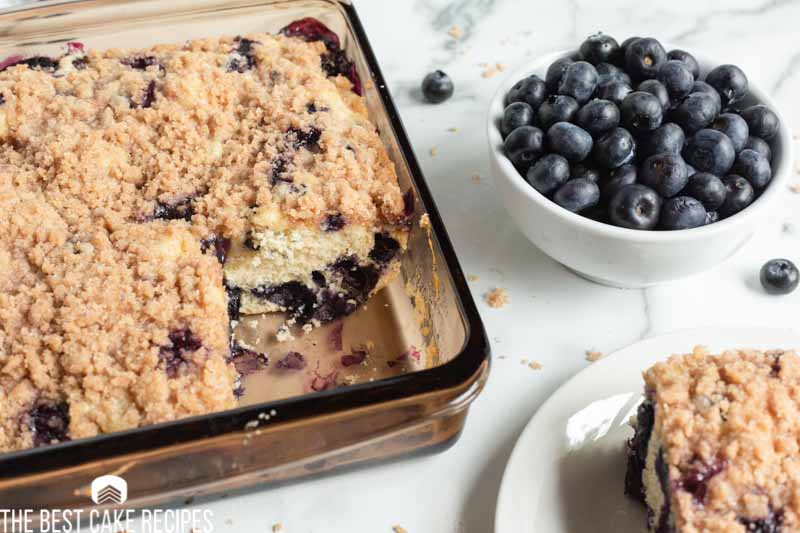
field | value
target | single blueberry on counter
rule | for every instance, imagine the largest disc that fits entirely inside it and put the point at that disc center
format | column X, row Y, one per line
column 754, row 167
column 614, row 149
column 707, row 188
column 524, row 146
column 710, row 151
column 677, row 79
column 641, row 112
column 549, row 173
column 687, row 59
column 599, row 48
column 665, row 173
column 598, row 116
column 577, row 195
column 608, row 73
column 695, row 112
column 643, row 58
column 730, row 82
column 759, row 145
column 668, row 137
column 531, row 90
column 579, row 81
column 657, row 89
column 762, row 121
column 515, row 115
column 740, row 194
column 556, row 108
column 555, row 72
column 615, row 180
column 682, row 212
column 570, row 141
column 437, row 87
column 635, row 207
column 614, row 91
column 779, row 276
column 734, row 127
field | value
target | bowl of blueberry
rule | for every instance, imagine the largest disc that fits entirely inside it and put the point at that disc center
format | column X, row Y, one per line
column 635, row 163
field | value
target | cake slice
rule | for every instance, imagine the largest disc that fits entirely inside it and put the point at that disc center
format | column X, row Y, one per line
column 717, row 443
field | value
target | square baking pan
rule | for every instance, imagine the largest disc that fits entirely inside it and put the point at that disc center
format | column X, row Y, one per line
column 429, row 355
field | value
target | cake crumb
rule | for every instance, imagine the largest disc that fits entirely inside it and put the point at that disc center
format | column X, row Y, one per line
column 425, row 221
column 592, row 355
column 284, row 334
column 456, row 32
column 496, row 298
column 278, row 526
column 493, row 70
column 476, row 178
column 399, row 529
column 535, row 365
column 434, row 151
column 452, row 130
column 473, row 277
column 795, row 188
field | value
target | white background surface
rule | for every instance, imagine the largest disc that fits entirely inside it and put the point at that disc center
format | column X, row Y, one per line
column 553, row 316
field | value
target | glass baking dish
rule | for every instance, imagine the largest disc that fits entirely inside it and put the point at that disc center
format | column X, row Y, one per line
column 283, row 429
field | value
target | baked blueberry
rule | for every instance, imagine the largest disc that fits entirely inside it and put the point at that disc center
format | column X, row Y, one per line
column 762, row 121
column 437, row 87
column 599, row 48
column 710, row 151
column 754, row 167
column 549, row 173
column 734, row 127
column 384, row 249
column 700, row 86
column 779, row 276
column 643, row 58
column 635, row 207
column 555, row 71
column 531, row 90
column 687, row 59
column 730, row 82
column 666, row 173
column 772, row 523
column 657, row 89
column 515, row 115
column 677, row 78
column 668, row 137
column 608, row 73
column 598, row 116
column 615, row 180
column 614, row 91
column 49, row 423
column 557, row 108
column 740, row 194
column 523, row 146
column 570, row 141
column 579, row 170
column 579, row 81
column 695, row 112
column 641, row 112
column 707, row 188
column 614, row 149
column 577, row 195
column 759, row 145
column 682, row 212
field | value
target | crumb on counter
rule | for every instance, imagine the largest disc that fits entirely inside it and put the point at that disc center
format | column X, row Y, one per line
column 452, row 130
column 278, row 526
column 434, row 151
column 456, row 32
column 473, row 277
column 399, row 529
column 476, row 178
column 493, row 70
column 496, row 298
column 593, row 356
column 533, row 365
column 795, row 188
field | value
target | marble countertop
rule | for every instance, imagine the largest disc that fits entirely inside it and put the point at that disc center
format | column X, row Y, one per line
column 553, row 316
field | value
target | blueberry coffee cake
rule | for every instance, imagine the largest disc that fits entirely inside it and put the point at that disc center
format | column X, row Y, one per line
column 717, row 443
column 151, row 196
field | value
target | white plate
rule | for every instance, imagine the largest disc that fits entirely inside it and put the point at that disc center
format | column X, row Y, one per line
column 567, row 469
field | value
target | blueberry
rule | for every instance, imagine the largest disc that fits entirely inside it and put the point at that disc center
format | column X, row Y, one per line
column 779, row 276
column 614, row 91
column 770, row 524
column 641, row 112
column 696, row 477
column 762, row 121
column 702, row 87
column 625, row 44
column 614, row 149
column 599, row 48
column 598, row 116
column 616, row 180
column 711, row 217
column 531, row 90
column 710, row 151
column 555, row 72
column 695, row 112
column 740, row 194
column 515, row 115
column 759, row 145
column 734, row 127
column 754, row 167
column 557, row 108
column 579, row 81
column 643, row 58
column 437, row 87
column 665, row 172
column 682, row 212
column 677, row 78
column 549, row 173
column 579, row 170
column 687, row 59
column 635, row 207
column 657, row 89
column 569, row 140
column 49, row 423
column 608, row 73
column 730, row 82
column 668, row 137
column 707, row 188
column 577, row 195
column 524, row 145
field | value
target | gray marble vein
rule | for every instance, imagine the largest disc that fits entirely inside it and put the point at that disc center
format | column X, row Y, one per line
column 702, row 21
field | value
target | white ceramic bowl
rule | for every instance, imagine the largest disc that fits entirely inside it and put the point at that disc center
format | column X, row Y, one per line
column 624, row 257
